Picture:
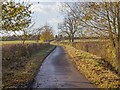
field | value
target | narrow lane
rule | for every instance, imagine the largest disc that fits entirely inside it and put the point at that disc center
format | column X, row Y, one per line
column 57, row 71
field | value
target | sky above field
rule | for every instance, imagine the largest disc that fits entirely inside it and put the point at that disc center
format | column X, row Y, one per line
column 45, row 12
column 48, row 12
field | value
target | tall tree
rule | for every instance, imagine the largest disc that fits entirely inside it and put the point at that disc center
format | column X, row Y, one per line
column 102, row 18
column 70, row 27
column 46, row 34
column 118, row 21
column 15, row 16
column 25, row 33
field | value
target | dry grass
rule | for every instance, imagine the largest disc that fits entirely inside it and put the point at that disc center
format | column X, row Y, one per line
column 21, row 72
column 18, row 42
column 85, row 40
column 101, row 48
column 96, row 46
column 94, row 68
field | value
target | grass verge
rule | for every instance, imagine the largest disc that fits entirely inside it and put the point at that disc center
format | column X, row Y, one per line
column 26, row 72
column 94, row 68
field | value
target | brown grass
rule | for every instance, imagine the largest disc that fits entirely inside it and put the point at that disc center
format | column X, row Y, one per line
column 21, row 63
column 94, row 68
column 101, row 48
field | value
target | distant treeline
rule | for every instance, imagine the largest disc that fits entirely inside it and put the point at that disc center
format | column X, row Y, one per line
column 11, row 38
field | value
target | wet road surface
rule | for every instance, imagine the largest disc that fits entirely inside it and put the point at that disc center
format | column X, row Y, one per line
column 57, row 71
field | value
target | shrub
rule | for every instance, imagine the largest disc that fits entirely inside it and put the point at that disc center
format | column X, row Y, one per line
column 94, row 68
column 21, row 63
column 101, row 48
column 14, row 53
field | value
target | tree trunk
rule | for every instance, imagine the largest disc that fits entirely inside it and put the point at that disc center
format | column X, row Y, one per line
column 23, row 41
column 37, row 40
column 72, row 38
column 69, row 37
column 118, row 16
column 114, row 42
column 110, row 29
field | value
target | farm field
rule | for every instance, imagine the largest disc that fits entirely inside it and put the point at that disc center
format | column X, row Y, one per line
column 86, row 40
column 17, row 42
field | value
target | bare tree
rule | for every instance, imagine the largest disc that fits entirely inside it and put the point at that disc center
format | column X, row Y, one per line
column 70, row 27
column 25, row 33
column 102, row 18
column 37, row 32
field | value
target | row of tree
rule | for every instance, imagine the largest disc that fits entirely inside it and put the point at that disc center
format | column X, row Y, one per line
column 97, row 18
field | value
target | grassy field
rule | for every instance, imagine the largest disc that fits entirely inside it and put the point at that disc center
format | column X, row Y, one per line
column 85, row 40
column 33, row 41
column 23, row 71
column 17, row 42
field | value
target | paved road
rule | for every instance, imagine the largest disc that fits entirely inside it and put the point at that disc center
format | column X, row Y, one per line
column 57, row 71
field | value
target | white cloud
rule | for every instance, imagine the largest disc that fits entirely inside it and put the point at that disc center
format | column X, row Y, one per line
column 56, row 6
column 40, row 8
column 54, row 21
column 46, row 8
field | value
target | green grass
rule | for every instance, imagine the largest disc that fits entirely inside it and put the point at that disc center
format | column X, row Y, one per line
column 17, row 42
column 27, row 69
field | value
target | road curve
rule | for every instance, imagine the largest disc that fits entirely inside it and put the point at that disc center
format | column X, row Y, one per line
column 57, row 71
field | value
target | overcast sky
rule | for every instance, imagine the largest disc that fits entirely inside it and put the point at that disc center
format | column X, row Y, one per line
column 47, row 13
column 44, row 12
